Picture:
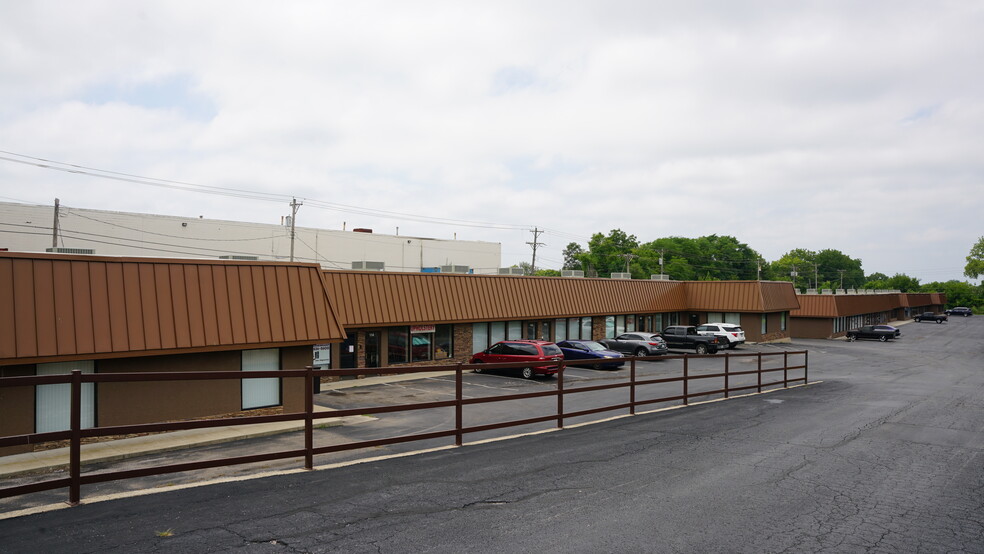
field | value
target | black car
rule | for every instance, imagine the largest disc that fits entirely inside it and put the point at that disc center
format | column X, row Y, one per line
column 877, row 332
column 959, row 310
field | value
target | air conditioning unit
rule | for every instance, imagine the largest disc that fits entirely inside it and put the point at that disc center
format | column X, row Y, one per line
column 660, row 277
column 511, row 271
column 571, row 273
column 621, row 275
column 455, row 269
column 369, row 266
column 60, row 250
column 828, row 291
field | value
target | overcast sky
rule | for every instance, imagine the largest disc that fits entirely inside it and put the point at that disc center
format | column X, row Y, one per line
column 849, row 125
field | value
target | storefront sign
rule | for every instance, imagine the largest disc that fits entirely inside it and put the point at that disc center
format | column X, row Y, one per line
column 423, row 328
column 322, row 354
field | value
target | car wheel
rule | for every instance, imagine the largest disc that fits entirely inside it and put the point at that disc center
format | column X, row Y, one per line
column 883, row 338
column 939, row 321
column 732, row 346
column 596, row 366
column 478, row 369
column 640, row 352
column 528, row 373
column 852, row 338
column 701, row 349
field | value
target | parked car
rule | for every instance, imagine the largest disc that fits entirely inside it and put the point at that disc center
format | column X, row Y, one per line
column 637, row 344
column 878, row 332
column 727, row 333
column 516, row 351
column 930, row 316
column 598, row 356
column 895, row 330
column 959, row 310
column 686, row 336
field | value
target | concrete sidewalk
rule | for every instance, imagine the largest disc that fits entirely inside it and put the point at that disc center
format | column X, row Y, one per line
column 120, row 449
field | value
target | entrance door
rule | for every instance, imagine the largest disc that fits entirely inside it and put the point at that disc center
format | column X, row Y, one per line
column 372, row 349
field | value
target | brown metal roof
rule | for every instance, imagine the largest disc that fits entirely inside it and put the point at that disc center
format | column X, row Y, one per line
column 388, row 298
column 66, row 307
column 843, row 305
column 741, row 296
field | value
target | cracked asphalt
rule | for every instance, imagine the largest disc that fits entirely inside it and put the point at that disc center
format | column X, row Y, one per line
column 883, row 455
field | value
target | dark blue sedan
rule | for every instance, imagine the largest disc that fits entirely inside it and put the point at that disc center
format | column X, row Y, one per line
column 599, row 356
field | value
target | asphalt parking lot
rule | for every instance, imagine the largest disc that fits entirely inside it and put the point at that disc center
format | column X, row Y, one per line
column 883, row 454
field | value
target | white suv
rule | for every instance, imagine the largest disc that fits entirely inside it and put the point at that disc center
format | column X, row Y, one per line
column 727, row 333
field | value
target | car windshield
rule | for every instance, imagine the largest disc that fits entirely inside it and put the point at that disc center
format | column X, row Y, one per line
column 592, row 345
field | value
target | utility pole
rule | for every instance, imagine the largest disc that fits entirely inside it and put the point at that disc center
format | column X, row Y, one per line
column 536, row 234
column 54, row 228
column 816, row 276
column 758, row 262
column 661, row 272
column 294, row 205
column 794, row 274
column 841, row 271
column 628, row 257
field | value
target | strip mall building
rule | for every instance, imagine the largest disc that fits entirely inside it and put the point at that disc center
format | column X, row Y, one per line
column 112, row 315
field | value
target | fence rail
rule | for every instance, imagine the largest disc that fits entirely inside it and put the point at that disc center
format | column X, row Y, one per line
column 76, row 433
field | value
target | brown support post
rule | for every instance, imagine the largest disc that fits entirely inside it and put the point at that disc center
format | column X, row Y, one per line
column 727, row 377
column 458, row 375
column 806, row 366
column 686, row 379
column 632, row 386
column 75, row 446
column 760, row 372
column 309, row 418
column 560, row 396
column 785, row 370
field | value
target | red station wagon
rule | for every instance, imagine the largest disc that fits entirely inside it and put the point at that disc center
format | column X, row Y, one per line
column 516, row 351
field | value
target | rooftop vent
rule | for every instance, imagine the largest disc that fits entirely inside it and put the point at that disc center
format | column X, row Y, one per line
column 455, row 269
column 811, row 291
column 828, row 291
column 511, row 271
column 60, row 250
column 361, row 230
column 621, row 275
column 571, row 273
column 369, row 266
column 660, row 277
column 236, row 257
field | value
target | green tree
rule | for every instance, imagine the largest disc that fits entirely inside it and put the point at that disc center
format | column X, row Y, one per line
column 903, row 282
column 835, row 267
column 876, row 277
column 571, row 256
column 607, row 254
column 975, row 260
column 798, row 261
column 958, row 293
column 710, row 257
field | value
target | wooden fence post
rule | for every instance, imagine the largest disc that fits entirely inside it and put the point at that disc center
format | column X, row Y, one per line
column 458, row 377
column 309, row 417
column 727, row 376
column 75, row 445
column 686, row 379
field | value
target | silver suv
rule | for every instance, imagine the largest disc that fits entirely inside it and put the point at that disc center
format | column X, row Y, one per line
column 727, row 333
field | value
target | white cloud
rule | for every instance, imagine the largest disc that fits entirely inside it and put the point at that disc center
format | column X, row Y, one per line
column 799, row 124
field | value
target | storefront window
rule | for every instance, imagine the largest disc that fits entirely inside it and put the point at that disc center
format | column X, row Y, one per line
column 586, row 328
column 514, row 330
column 609, row 326
column 630, row 323
column 480, row 336
column 498, row 332
column 398, row 337
column 443, row 342
column 560, row 330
